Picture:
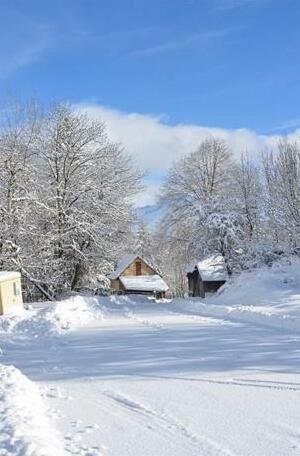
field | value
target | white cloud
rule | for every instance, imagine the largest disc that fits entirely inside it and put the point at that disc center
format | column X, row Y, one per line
column 156, row 145
column 149, row 195
column 23, row 56
column 23, row 40
column 287, row 125
column 184, row 42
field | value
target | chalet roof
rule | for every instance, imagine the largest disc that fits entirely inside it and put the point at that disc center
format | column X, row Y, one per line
column 9, row 275
column 211, row 269
column 144, row 283
column 125, row 262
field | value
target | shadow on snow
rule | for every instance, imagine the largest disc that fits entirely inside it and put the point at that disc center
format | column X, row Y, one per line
column 186, row 349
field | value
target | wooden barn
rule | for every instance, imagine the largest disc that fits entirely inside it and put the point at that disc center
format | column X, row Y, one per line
column 206, row 276
column 135, row 275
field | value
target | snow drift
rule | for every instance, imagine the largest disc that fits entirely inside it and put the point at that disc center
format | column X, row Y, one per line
column 276, row 288
column 25, row 429
column 53, row 319
column 268, row 296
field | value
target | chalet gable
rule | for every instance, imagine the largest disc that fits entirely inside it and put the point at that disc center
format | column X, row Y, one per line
column 133, row 265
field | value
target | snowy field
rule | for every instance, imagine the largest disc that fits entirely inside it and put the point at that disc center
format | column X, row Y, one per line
column 130, row 376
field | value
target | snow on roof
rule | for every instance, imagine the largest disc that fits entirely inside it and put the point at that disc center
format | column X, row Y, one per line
column 210, row 269
column 144, row 283
column 9, row 275
column 191, row 266
column 124, row 263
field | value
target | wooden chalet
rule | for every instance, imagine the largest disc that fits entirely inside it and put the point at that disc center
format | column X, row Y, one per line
column 206, row 276
column 135, row 275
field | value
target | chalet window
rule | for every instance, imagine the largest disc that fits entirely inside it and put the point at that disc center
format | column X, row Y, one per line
column 138, row 268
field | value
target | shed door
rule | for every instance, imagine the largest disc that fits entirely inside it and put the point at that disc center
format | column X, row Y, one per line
column 138, row 268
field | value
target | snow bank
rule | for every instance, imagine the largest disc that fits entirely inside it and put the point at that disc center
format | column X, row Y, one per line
column 273, row 289
column 268, row 296
column 25, row 429
column 242, row 314
column 74, row 312
column 53, row 318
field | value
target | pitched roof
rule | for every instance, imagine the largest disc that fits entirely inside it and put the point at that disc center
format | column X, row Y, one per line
column 144, row 283
column 125, row 262
column 211, row 269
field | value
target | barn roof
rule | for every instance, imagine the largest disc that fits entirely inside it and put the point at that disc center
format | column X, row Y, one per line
column 125, row 262
column 211, row 269
column 144, row 283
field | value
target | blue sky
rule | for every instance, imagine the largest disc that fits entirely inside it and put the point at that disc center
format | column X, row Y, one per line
column 225, row 63
column 229, row 64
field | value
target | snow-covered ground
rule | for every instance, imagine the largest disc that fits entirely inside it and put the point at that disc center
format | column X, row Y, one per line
column 267, row 296
column 130, row 376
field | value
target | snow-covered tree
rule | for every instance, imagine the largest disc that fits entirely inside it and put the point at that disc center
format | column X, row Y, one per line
column 198, row 191
column 173, row 252
column 248, row 191
column 66, row 198
column 197, row 183
column 249, row 215
column 224, row 234
column 18, row 177
column 282, row 175
column 87, row 183
column 144, row 243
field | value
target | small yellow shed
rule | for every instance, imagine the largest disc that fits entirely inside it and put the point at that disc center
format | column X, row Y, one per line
column 10, row 291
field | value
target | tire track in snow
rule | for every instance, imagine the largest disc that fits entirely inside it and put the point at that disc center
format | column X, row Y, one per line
column 280, row 386
column 213, row 320
column 251, row 384
column 285, row 386
column 144, row 322
column 167, row 423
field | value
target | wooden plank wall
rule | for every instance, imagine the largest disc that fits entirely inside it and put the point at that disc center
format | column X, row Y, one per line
column 131, row 270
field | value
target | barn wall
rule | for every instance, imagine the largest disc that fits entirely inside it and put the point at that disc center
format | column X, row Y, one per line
column 198, row 288
column 195, row 284
column 115, row 284
column 131, row 270
column 201, row 288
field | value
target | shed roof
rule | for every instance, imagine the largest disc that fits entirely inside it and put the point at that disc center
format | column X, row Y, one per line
column 211, row 269
column 144, row 283
column 9, row 275
column 125, row 262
